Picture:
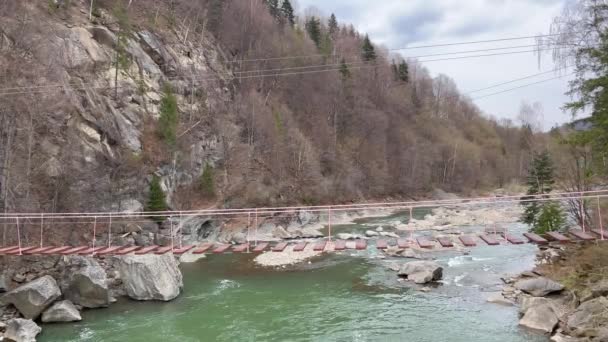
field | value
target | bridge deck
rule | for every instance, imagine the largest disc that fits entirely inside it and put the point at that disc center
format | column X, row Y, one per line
column 280, row 247
column 261, row 247
column 56, row 250
column 445, row 241
column 513, row 239
column 340, row 245
column 74, row 250
column 242, row 248
column 361, row 245
column 202, row 248
column 182, row 250
column 300, row 247
column 535, row 238
column 490, row 240
column 221, row 249
column 127, row 250
column 320, row 246
column 146, row 250
column 601, row 233
column 468, row 241
column 162, row 250
column 402, row 243
column 424, row 242
column 579, row 234
column 555, row 236
column 381, row 244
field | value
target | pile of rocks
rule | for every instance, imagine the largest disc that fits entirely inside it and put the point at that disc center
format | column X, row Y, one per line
column 57, row 295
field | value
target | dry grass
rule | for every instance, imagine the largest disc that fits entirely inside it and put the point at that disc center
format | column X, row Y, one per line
column 584, row 266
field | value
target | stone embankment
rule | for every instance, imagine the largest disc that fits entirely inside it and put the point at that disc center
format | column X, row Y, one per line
column 57, row 289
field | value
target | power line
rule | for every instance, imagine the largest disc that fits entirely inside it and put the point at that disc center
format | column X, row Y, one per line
column 238, row 74
column 522, row 86
column 513, row 81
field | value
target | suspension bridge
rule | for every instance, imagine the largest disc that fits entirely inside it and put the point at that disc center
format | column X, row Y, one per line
column 18, row 233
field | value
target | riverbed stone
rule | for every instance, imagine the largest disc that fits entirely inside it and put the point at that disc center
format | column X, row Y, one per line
column 538, row 287
column 63, row 311
column 421, row 272
column 498, row 298
column 280, row 233
column 21, row 330
column 34, row 297
column 540, row 318
column 189, row 258
column 371, row 233
column 151, row 277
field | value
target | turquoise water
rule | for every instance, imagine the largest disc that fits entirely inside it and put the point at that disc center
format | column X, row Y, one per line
column 348, row 297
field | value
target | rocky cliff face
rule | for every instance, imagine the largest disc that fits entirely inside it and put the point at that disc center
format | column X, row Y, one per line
column 87, row 138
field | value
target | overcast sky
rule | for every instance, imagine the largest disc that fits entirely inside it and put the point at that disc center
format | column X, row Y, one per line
column 400, row 23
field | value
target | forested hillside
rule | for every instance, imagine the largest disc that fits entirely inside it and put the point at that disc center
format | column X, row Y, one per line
column 226, row 102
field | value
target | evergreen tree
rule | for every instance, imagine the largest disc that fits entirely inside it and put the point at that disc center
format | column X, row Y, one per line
column 545, row 216
column 344, row 71
column 369, row 52
column 167, row 123
column 122, row 59
column 313, row 27
column 156, row 199
column 288, row 12
column 332, row 26
column 207, row 181
column 403, row 73
column 273, row 6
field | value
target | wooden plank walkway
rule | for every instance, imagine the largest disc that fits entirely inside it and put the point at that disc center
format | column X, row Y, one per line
column 242, row 248
column 601, row 233
column 445, row 242
column 182, row 250
column 202, row 248
column 579, row 234
column 361, row 245
column 55, row 250
column 340, row 245
column 320, row 246
column 424, row 242
column 74, row 250
column 146, row 250
column 5, row 250
column 555, row 236
column 221, row 249
column 403, row 243
column 381, row 244
column 490, row 240
column 513, row 239
column 535, row 238
column 280, row 247
column 109, row 250
column 261, row 247
column 468, row 241
column 300, row 247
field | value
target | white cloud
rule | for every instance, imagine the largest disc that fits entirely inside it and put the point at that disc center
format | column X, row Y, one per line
column 398, row 23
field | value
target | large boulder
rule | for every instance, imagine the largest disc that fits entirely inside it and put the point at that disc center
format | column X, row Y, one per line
column 538, row 287
column 21, row 330
column 561, row 304
column 589, row 318
column 540, row 318
column 371, row 233
column 280, row 233
column 63, row 311
column 34, row 297
column 85, row 283
column 421, row 272
column 150, row 277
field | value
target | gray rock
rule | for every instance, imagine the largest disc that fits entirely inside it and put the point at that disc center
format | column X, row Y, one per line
column 379, row 229
column 150, row 277
column 189, row 258
column 280, row 233
column 590, row 315
column 63, row 311
column 85, row 283
column 389, row 234
column 421, row 272
column 540, row 318
column 371, row 233
column 21, row 330
column 498, row 298
column 346, row 236
column 561, row 305
column 33, row 298
column 3, row 284
column 538, row 287
column 239, row 238
column 307, row 233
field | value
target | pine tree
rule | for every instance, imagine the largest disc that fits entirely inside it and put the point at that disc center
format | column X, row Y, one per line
column 156, row 199
column 288, row 12
column 167, row 123
column 313, row 27
column 369, row 52
column 403, row 73
column 545, row 216
column 207, row 181
column 273, row 6
column 344, row 71
column 332, row 26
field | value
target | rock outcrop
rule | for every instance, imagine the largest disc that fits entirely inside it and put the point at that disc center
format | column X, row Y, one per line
column 63, row 311
column 21, row 330
column 150, row 277
column 85, row 283
column 33, row 298
column 589, row 319
column 540, row 318
column 421, row 272
column 538, row 287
